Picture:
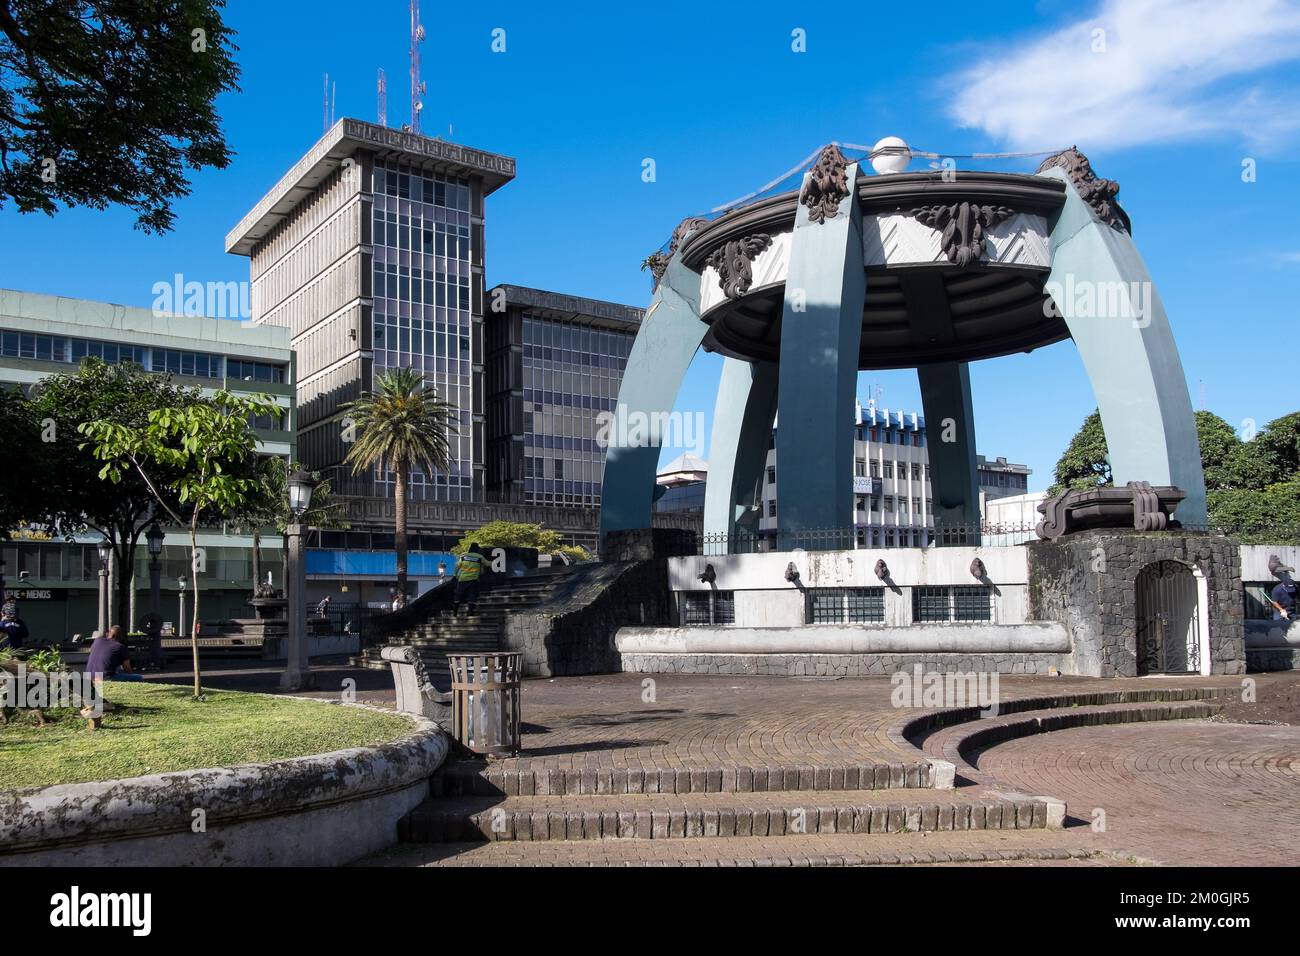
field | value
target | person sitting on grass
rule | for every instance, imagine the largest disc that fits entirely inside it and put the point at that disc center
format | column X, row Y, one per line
column 109, row 658
column 13, row 632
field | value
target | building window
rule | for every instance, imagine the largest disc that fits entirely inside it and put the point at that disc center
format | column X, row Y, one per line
column 889, row 469
column 889, row 504
column 708, row 607
column 846, row 605
column 862, row 502
column 958, row 603
column 916, row 471
column 859, row 468
column 771, row 508
column 916, row 504
column 771, row 474
column 875, row 469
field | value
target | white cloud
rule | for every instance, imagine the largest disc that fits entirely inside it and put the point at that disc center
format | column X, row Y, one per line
column 1171, row 71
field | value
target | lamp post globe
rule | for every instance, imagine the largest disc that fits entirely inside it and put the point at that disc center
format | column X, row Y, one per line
column 155, row 538
column 301, row 485
column 890, row 155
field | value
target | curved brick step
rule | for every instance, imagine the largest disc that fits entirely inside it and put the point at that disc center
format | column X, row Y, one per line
column 966, row 747
column 974, row 846
column 473, row 778
column 910, row 735
column 718, row 815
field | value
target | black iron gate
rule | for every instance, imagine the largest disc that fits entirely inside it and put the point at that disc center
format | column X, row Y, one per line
column 1168, row 620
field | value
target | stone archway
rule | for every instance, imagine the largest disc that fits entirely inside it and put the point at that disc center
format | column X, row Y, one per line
column 1168, row 619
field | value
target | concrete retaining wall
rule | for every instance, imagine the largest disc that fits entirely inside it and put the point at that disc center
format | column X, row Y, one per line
column 321, row 810
column 1046, row 637
column 841, row 665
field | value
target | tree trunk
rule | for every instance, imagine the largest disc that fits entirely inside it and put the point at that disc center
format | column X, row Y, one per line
column 399, row 533
column 257, row 559
column 124, row 541
column 194, row 581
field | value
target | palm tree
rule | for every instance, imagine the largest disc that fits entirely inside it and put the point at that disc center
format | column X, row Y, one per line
column 399, row 425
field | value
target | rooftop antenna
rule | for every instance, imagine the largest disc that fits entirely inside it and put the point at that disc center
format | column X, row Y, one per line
column 383, row 98
column 325, row 106
column 417, row 84
column 333, row 89
column 1200, row 386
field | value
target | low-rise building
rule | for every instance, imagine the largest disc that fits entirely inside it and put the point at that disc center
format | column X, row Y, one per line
column 55, row 580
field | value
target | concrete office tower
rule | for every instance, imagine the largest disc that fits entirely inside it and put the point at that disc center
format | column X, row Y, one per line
column 554, row 365
column 370, row 251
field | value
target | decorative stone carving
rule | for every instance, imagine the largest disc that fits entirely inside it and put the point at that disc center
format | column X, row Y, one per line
column 1147, row 515
column 963, row 225
column 1137, row 505
column 657, row 261
column 826, row 186
column 734, row 263
column 1098, row 193
column 684, row 229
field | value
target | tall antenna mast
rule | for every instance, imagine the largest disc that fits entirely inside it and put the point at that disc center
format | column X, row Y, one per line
column 383, row 98
column 417, row 84
column 325, row 106
column 333, row 89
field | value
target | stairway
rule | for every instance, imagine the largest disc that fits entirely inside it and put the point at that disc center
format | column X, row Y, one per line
column 444, row 632
column 777, row 815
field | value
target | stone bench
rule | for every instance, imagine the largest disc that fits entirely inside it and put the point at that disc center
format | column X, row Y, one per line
column 415, row 691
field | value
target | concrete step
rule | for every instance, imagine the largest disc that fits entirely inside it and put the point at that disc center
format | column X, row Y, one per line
column 720, row 815
column 474, row 778
column 961, row 744
column 936, row 848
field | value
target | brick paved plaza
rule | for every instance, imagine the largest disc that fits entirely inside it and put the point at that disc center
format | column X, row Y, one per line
column 1209, row 792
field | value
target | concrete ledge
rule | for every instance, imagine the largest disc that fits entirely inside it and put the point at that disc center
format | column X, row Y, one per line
column 319, row 810
column 841, row 665
column 1036, row 638
column 1260, row 634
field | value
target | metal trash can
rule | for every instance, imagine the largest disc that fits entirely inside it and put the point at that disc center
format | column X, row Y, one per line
column 485, row 701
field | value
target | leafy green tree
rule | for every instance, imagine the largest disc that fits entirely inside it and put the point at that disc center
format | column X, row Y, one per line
column 267, row 505
column 199, row 447
column 22, row 477
column 511, row 534
column 1219, row 448
column 110, row 101
column 75, row 497
column 400, row 425
column 1085, row 462
column 1271, row 457
column 1259, row 516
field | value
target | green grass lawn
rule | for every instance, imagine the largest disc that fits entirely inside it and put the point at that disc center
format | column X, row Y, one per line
column 159, row 727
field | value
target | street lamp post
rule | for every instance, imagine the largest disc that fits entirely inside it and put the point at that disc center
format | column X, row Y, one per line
column 183, row 582
column 105, row 555
column 155, row 538
column 297, row 671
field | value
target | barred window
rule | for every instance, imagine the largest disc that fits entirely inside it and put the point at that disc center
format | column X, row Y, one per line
column 846, row 605
column 958, row 603
column 708, row 607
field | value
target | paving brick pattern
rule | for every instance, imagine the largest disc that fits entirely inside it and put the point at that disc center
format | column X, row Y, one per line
column 1038, row 847
column 696, row 722
column 1191, row 793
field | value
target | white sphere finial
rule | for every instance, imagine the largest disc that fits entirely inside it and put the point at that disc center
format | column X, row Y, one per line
column 890, row 155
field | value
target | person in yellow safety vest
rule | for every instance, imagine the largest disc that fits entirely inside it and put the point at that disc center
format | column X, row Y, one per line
column 468, row 571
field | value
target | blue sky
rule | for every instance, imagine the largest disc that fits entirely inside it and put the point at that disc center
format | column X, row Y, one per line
column 1180, row 96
